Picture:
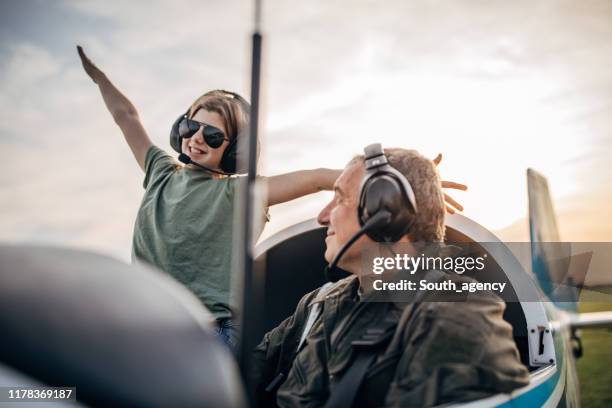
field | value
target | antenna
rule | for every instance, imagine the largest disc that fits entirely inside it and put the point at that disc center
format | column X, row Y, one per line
column 251, row 289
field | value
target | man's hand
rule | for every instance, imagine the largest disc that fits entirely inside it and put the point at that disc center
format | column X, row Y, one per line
column 452, row 206
column 90, row 68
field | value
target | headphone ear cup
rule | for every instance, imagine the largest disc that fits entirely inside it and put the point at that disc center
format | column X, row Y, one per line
column 235, row 154
column 175, row 136
column 228, row 160
column 384, row 192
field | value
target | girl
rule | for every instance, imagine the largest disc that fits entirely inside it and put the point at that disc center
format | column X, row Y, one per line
column 184, row 224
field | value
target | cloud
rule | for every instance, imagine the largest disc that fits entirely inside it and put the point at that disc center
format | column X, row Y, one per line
column 24, row 70
column 496, row 87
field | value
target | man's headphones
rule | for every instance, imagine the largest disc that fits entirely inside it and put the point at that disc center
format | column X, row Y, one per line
column 235, row 153
column 385, row 191
column 387, row 206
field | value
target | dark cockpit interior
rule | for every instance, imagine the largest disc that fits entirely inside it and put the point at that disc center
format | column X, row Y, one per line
column 295, row 266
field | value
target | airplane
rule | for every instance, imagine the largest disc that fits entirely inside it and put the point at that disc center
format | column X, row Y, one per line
column 129, row 335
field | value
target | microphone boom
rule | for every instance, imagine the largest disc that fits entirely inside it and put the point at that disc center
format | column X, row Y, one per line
column 183, row 158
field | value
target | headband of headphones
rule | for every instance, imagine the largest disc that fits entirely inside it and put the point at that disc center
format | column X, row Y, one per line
column 234, row 156
column 383, row 188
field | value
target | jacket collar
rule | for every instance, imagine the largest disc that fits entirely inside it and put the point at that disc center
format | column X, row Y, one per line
column 334, row 289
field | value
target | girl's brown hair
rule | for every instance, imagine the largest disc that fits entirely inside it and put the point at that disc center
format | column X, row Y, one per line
column 231, row 107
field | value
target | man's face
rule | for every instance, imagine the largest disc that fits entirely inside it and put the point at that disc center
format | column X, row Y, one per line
column 197, row 149
column 340, row 217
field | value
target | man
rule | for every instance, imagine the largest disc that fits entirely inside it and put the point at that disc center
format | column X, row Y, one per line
column 439, row 352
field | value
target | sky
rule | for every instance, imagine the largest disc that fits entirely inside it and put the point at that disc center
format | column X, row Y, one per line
column 494, row 86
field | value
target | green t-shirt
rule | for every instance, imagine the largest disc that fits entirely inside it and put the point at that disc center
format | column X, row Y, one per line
column 185, row 225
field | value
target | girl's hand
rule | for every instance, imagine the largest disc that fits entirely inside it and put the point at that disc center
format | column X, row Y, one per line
column 123, row 111
column 452, row 206
column 90, row 68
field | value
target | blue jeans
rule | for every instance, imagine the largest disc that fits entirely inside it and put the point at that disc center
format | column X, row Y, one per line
column 227, row 331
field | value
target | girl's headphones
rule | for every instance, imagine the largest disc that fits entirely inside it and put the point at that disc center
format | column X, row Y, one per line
column 385, row 191
column 237, row 148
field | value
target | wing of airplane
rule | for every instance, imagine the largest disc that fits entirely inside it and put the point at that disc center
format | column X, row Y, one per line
column 594, row 319
column 123, row 335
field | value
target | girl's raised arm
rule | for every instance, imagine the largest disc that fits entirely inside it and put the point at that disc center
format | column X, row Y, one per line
column 287, row 187
column 124, row 113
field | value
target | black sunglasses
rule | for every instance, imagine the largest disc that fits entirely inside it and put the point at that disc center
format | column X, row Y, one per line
column 213, row 136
